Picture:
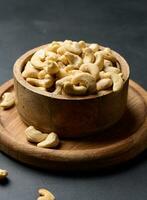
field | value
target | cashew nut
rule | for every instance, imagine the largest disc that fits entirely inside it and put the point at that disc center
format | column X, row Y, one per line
column 43, row 74
column 86, row 80
column 30, row 71
column 103, row 74
column 51, row 141
column 117, row 81
column 38, row 59
column 72, row 47
column 112, row 69
column 73, row 59
column 108, row 63
column 95, row 47
column 60, row 84
column 71, row 89
column 3, row 174
column 104, row 92
column 103, row 84
column 91, row 68
column 99, row 60
column 8, row 100
column 46, row 83
column 51, row 56
column 61, row 50
column 82, row 44
column 53, row 46
column 108, row 55
column 51, row 68
column 88, row 56
column 63, row 59
column 34, row 135
column 45, row 195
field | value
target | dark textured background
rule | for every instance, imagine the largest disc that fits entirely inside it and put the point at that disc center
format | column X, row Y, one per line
column 121, row 25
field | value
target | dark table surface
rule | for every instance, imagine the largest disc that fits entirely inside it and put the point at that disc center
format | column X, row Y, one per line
column 121, row 25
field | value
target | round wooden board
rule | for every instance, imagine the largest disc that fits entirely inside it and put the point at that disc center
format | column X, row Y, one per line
column 118, row 144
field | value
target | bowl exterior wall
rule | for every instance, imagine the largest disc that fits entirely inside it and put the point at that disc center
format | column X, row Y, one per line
column 70, row 118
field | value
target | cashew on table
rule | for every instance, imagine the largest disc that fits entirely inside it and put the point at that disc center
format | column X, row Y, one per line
column 74, row 69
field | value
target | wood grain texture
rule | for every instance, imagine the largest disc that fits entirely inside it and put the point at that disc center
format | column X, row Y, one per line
column 69, row 117
column 120, row 143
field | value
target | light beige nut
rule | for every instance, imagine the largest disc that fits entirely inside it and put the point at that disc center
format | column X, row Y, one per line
column 108, row 63
column 45, row 195
column 88, row 56
column 99, row 60
column 30, row 71
column 108, row 55
column 112, row 69
column 60, row 84
column 61, row 73
column 91, row 68
column 38, row 59
column 103, row 84
column 8, row 100
column 51, row 141
column 117, row 81
column 82, row 44
column 103, row 74
column 72, row 47
column 104, row 92
column 63, row 59
column 52, row 68
column 41, row 88
column 53, row 46
column 73, row 59
column 95, row 47
column 74, row 90
column 61, row 50
column 46, row 83
column 86, row 80
column 51, row 56
column 3, row 174
column 43, row 74
column 34, row 135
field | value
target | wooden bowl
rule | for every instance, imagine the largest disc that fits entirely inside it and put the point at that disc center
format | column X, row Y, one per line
column 69, row 117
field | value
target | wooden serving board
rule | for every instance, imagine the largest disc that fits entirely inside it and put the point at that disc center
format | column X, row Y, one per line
column 118, row 144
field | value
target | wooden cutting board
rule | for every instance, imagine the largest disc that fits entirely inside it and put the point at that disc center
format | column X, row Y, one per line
column 118, row 144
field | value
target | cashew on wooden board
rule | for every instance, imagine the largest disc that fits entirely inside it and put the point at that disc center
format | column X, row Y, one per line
column 44, row 140
column 74, row 68
column 8, row 100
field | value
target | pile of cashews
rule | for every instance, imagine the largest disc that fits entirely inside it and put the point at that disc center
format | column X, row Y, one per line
column 74, row 68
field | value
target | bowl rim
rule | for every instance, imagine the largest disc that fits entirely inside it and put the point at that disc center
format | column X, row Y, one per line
column 19, row 64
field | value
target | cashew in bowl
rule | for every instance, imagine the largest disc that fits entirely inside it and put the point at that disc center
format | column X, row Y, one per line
column 38, row 59
column 46, row 83
column 34, row 135
column 72, row 47
column 117, row 81
column 45, row 195
column 99, row 60
column 103, row 84
column 91, row 68
column 71, row 89
column 95, row 47
column 30, row 71
column 86, row 80
column 8, row 100
column 88, row 55
column 73, row 59
column 51, row 141
column 112, row 69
